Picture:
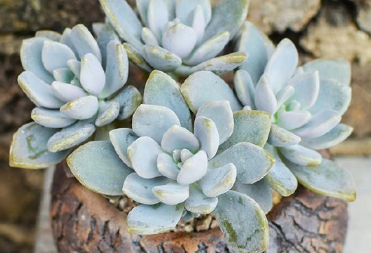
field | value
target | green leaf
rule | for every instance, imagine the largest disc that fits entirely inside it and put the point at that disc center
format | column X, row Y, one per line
column 252, row 162
column 243, row 222
column 249, row 126
column 228, row 15
column 328, row 179
column 204, row 86
column 148, row 220
column 97, row 166
column 162, row 90
column 29, row 148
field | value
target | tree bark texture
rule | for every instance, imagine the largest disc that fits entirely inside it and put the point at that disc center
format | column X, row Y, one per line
column 84, row 221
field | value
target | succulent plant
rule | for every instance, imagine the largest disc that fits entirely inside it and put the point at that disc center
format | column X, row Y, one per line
column 175, row 169
column 305, row 103
column 77, row 86
column 183, row 36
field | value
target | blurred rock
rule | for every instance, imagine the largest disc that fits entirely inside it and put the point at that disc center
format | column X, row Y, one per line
column 280, row 15
column 33, row 15
column 363, row 14
column 334, row 35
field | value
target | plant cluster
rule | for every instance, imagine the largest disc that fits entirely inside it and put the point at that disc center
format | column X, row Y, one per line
column 196, row 146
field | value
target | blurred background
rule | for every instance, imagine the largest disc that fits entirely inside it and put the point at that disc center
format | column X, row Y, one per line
column 327, row 28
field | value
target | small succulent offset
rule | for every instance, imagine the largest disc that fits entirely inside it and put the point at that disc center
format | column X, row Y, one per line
column 77, row 86
column 178, row 170
column 183, row 36
column 305, row 103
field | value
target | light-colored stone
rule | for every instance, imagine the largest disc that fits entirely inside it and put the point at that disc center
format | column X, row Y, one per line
column 363, row 14
column 335, row 36
column 281, row 15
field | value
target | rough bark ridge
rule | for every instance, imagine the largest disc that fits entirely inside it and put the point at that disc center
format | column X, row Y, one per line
column 83, row 221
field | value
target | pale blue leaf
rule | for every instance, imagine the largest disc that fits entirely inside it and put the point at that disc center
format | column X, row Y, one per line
column 55, row 55
column 202, row 87
column 50, row 118
column 39, row 92
column 185, row 9
column 178, row 137
column 167, row 167
column 162, row 90
column 136, row 57
column 64, row 75
column 92, row 76
column 218, row 181
column 96, row 166
column 198, row 202
column 148, row 37
column 207, row 134
column 280, row 137
column 265, row 99
column 75, row 67
column 84, row 42
column 66, row 39
column 105, row 35
column 160, row 58
column 121, row 139
column 245, row 88
column 193, row 169
column 129, row 99
column 108, row 112
column 294, row 119
column 81, row 108
column 171, row 193
column 157, row 17
column 179, row 39
column 29, row 148
column 67, row 92
column 52, row 35
column 302, row 156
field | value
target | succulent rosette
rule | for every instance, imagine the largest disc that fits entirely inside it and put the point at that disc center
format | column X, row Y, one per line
column 177, row 168
column 306, row 104
column 183, row 36
column 77, row 87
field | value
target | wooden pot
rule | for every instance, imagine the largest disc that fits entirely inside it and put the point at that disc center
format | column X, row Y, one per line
column 84, row 221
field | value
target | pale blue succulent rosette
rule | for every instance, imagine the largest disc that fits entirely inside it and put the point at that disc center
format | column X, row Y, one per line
column 181, row 36
column 179, row 168
column 306, row 104
column 77, row 85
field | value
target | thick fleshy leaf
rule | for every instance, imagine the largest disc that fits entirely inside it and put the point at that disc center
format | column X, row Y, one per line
column 334, row 96
column 147, row 220
column 129, row 99
column 39, row 92
column 171, row 193
column 148, row 37
column 280, row 137
column 117, row 69
column 249, row 126
column 71, row 136
column 209, row 49
column 67, row 92
column 319, row 124
column 293, row 119
column 185, row 154
column 252, row 162
column 81, row 108
column 284, row 95
column 261, row 192
column 52, row 35
column 220, row 22
column 29, row 150
column 244, row 87
column 167, row 167
column 108, row 112
column 193, row 169
column 221, row 114
column 50, row 118
column 198, row 202
column 282, row 64
column 280, row 178
column 98, row 168
column 328, row 179
column 55, row 55
column 219, row 65
column 124, row 20
column 207, row 134
column 179, row 138
column 92, row 76
column 218, row 181
column 64, row 75
column 248, row 232
column 31, row 51
column 179, row 39
column 162, row 90
column 306, row 89
column 105, row 34
column 153, row 121
column 121, row 139
column 302, row 156
column 265, row 99
column 252, row 43
column 157, row 17
column 332, row 138
column 204, row 86
column 84, row 42
column 140, row 189
column 75, row 67
column 143, row 154
column 331, row 69
column 199, row 22
column 185, row 9
column 66, row 39
column 136, row 57
column 160, row 58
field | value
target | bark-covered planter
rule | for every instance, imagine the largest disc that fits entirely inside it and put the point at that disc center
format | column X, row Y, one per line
column 84, row 221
